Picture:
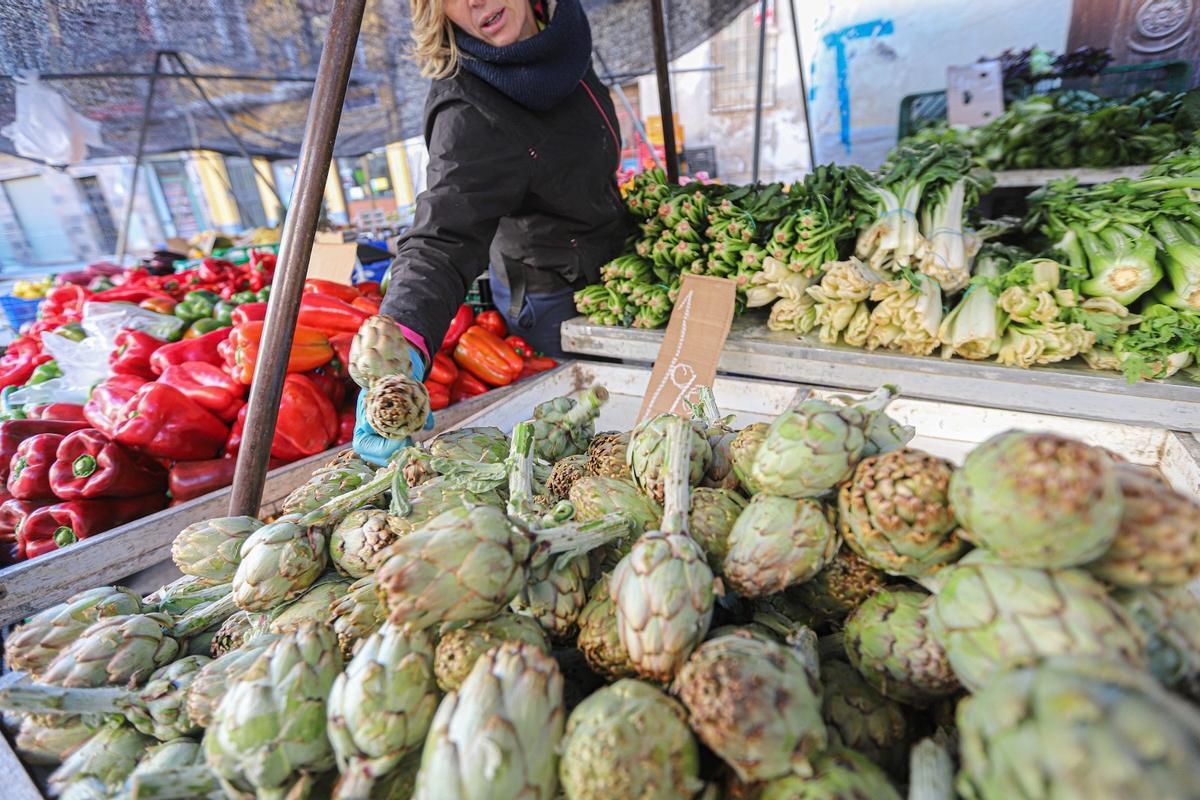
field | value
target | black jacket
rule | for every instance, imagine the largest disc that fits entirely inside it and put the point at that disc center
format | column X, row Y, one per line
column 534, row 191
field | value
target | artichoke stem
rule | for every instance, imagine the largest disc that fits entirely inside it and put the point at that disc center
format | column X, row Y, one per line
column 356, row 782
column 343, row 504
column 578, row 538
column 708, row 406
column 677, row 466
column 931, row 773
column 520, row 473
column 204, row 617
column 587, row 408
column 55, row 699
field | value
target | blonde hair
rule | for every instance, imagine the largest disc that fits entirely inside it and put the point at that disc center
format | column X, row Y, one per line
column 434, row 47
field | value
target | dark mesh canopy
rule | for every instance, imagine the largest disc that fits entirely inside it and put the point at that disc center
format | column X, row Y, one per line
column 267, row 38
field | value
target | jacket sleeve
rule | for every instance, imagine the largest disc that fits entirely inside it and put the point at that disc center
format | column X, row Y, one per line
column 476, row 176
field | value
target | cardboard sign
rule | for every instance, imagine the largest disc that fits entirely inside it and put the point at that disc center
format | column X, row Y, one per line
column 334, row 237
column 975, row 95
column 178, row 245
column 695, row 338
column 333, row 262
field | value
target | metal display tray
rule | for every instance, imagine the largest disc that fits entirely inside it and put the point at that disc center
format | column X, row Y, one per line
column 1070, row 389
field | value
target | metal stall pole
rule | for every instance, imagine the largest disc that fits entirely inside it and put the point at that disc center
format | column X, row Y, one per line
column 123, row 234
column 663, row 69
column 237, row 140
column 812, row 147
column 758, row 90
column 320, row 131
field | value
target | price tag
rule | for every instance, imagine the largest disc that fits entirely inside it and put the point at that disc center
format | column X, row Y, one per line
column 975, row 95
column 333, row 262
column 695, row 338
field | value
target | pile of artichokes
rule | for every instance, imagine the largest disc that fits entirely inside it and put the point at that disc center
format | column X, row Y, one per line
column 687, row 610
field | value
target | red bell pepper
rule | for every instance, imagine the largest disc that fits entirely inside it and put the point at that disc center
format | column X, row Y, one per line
column 439, row 395
column 368, row 305
column 370, row 289
column 191, row 479
column 458, row 326
column 329, row 383
column 12, row 514
column 63, row 300
column 163, row 422
column 535, row 365
column 249, row 312
column 340, row 342
column 15, row 431
column 330, row 315
column 347, row 420
column 103, row 409
column 493, row 322
column 308, row 421
column 29, row 469
column 261, row 270
column 22, row 356
column 89, row 465
column 466, row 386
column 209, row 386
column 443, row 370
column 487, row 357
column 54, row 526
column 132, row 294
column 519, row 346
column 203, row 348
column 331, row 289
column 132, row 353
column 69, row 412
column 310, row 349
column 216, row 270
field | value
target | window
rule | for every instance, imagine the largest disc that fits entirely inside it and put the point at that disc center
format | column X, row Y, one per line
column 735, row 51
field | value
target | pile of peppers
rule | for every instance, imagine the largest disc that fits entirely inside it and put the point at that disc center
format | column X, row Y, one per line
column 476, row 355
column 166, row 426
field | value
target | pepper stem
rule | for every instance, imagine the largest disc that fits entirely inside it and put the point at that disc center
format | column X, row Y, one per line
column 64, row 536
column 83, row 466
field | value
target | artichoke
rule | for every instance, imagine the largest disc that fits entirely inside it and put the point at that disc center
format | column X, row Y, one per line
column 564, row 475
column 895, row 514
column 326, row 484
column 380, row 708
column 990, row 618
column 839, row 588
column 595, row 497
column 438, row 496
column 378, row 350
column 424, row 580
column 279, row 561
column 742, row 451
column 663, row 589
column 555, row 595
column 315, row 605
column 755, row 703
column 33, row 645
column 1158, row 540
column 184, row 594
column 1170, row 619
column 268, row 733
column 599, row 636
column 629, row 740
column 477, row 445
column 176, row 766
column 460, row 647
column 108, row 758
column 236, row 631
column 497, row 737
column 714, row 511
column 838, row 774
column 357, row 614
column 1075, row 727
column 888, row 641
column 813, row 447
column 50, row 738
column 214, row 678
column 606, row 455
column 1038, row 500
column 861, row 719
column 563, row 427
column 114, row 651
column 212, row 549
column 396, row 406
column 647, row 453
column 358, row 540
column 778, row 542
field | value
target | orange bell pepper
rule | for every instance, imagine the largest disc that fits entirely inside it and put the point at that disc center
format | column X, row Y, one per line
column 486, row 356
column 332, row 288
column 310, row 349
column 367, row 304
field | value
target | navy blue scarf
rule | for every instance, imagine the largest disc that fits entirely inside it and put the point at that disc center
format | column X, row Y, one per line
column 539, row 72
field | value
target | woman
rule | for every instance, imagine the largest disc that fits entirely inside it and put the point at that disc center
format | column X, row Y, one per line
column 523, row 152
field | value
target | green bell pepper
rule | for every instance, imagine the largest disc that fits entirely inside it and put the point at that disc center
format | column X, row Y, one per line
column 197, row 305
column 44, row 372
column 262, row 295
column 73, row 331
column 223, row 312
column 206, row 325
column 7, row 409
column 243, row 297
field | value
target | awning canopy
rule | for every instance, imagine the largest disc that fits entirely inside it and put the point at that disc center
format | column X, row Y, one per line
column 107, row 43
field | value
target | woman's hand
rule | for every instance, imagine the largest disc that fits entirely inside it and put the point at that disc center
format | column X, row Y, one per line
column 370, row 446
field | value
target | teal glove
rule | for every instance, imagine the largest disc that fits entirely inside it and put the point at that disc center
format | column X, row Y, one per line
column 371, row 447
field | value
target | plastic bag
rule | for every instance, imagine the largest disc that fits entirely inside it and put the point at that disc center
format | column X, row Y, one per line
column 106, row 320
column 46, row 128
column 83, row 363
column 55, row 390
